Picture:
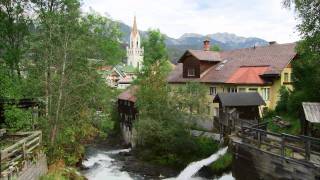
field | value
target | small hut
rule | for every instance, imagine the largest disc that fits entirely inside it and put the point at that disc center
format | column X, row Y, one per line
column 238, row 108
column 311, row 117
column 127, row 112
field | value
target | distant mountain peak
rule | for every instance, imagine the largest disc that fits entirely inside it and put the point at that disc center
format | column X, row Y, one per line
column 176, row 47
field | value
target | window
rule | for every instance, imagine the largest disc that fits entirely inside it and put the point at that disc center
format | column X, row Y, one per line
column 265, row 92
column 253, row 89
column 216, row 112
column 191, row 72
column 213, row 91
column 242, row 89
column 286, row 77
column 232, row 90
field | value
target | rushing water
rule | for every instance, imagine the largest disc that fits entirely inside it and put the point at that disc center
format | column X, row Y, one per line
column 102, row 166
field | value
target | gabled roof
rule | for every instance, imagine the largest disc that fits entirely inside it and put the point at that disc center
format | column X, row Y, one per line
column 312, row 111
column 202, row 55
column 239, row 99
column 276, row 57
column 129, row 94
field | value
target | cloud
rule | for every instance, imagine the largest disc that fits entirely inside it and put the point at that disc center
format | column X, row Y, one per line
column 250, row 18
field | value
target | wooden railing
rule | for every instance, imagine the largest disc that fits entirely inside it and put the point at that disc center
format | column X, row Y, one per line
column 12, row 158
column 288, row 146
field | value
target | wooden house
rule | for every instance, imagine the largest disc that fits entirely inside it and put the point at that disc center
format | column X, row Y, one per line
column 127, row 112
column 238, row 109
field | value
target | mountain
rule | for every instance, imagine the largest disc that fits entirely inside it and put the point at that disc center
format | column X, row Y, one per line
column 176, row 47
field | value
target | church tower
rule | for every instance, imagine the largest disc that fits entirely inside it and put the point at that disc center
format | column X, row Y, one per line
column 134, row 50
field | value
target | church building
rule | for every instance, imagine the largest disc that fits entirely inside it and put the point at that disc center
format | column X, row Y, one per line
column 134, row 49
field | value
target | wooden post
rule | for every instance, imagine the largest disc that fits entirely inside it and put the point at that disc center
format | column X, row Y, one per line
column 282, row 145
column 307, row 149
column 259, row 139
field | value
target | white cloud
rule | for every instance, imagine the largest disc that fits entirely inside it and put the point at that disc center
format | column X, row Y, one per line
column 250, row 18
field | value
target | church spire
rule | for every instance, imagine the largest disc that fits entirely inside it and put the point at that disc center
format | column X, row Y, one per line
column 134, row 27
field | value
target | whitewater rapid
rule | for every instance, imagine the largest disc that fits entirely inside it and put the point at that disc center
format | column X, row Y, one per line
column 101, row 166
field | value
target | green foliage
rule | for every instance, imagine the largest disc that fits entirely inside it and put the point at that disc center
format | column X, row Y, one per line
column 154, row 48
column 54, row 57
column 18, row 119
column 215, row 48
column 291, row 118
column 223, row 163
column 284, row 98
column 306, row 71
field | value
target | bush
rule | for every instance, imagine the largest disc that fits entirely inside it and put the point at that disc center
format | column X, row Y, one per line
column 283, row 102
column 169, row 143
column 222, row 164
column 17, row 119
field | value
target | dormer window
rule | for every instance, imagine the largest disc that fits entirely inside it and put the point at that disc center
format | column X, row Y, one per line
column 191, row 72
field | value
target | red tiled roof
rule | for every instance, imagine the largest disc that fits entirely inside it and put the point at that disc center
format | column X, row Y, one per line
column 129, row 94
column 248, row 75
column 276, row 56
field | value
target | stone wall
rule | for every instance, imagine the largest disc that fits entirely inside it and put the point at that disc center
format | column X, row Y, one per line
column 251, row 163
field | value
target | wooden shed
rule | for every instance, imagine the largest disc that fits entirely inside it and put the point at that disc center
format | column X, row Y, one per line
column 311, row 117
column 235, row 109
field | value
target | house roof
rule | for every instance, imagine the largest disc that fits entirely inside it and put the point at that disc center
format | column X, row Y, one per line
column 125, row 80
column 312, row 111
column 276, row 57
column 239, row 99
column 248, row 75
column 202, row 55
column 129, row 94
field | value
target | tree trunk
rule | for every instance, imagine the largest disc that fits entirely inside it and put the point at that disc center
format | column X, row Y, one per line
column 55, row 124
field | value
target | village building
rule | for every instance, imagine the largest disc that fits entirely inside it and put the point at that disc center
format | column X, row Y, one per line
column 262, row 69
column 127, row 112
column 111, row 75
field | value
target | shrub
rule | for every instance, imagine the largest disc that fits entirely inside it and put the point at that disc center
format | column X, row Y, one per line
column 18, row 119
column 223, row 163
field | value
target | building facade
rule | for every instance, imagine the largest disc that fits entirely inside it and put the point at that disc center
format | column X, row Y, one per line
column 134, row 50
column 262, row 69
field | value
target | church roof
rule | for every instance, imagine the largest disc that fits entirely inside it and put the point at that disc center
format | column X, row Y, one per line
column 134, row 27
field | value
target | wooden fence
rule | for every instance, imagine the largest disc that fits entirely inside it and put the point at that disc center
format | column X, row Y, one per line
column 14, row 157
column 287, row 146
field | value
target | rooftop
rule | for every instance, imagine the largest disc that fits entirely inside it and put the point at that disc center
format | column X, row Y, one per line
column 239, row 99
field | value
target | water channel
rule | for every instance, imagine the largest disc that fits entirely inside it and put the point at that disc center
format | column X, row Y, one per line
column 102, row 165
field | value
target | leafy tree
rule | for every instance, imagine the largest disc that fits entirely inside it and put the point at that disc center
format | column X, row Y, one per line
column 154, row 48
column 13, row 32
column 215, row 48
column 283, row 102
column 306, row 71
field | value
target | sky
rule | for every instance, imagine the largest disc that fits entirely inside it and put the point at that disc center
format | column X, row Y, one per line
column 265, row 19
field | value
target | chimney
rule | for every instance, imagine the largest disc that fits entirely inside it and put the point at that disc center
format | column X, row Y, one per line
column 272, row 42
column 206, row 44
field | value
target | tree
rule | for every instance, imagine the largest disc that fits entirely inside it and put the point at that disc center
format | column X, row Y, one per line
column 215, row 48
column 306, row 71
column 13, row 32
column 154, row 48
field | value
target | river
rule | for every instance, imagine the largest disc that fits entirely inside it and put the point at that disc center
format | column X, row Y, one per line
column 102, row 165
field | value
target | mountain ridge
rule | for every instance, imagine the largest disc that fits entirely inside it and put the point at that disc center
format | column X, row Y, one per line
column 176, row 47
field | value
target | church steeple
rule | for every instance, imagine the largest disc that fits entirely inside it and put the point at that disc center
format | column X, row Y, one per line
column 134, row 50
column 134, row 27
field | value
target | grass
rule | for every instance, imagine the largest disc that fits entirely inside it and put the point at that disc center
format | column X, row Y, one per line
column 222, row 164
column 294, row 129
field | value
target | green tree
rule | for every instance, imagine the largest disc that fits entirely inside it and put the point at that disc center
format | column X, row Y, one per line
column 154, row 48
column 215, row 48
column 13, row 32
column 306, row 71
